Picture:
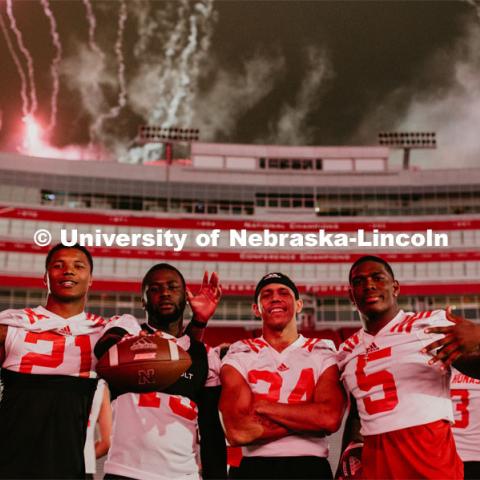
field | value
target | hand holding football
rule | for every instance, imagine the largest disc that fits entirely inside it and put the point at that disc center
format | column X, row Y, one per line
column 143, row 364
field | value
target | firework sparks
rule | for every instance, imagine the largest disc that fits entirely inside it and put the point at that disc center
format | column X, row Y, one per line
column 55, row 63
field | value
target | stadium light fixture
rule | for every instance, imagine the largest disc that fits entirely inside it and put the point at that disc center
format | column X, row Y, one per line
column 407, row 141
column 167, row 136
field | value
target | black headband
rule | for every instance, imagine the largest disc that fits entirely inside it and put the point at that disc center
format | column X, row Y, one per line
column 276, row 277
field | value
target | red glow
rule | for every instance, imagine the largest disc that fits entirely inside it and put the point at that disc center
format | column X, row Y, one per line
column 32, row 140
column 35, row 145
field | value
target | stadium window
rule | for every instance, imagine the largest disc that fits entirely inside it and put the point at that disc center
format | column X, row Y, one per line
column 212, row 208
column 136, row 203
column 318, row 164
column 272, row 201
column 224, row 207
column 187, row 205
column 48, row 197
column 297, row 164
column 236, row 208
column 273, row 163
column 199, row 207
column 262, row 162
column 297, row 201
column 174, row 205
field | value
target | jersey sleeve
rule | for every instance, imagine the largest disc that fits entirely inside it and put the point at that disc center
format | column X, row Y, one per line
column 437, row 319
column 214, row 365
column 325, row 355
column 125, row 321
column 235, row 356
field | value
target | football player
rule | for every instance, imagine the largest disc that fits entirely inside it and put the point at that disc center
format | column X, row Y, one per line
column 48, row 373
column 154, row 435
column 402, row 395
column 281, row 393
column 465, row 392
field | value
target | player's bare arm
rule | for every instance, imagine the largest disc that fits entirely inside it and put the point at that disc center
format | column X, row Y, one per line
column 460, row 345
column 242, row 425
column 203, row 305
column 324, row 414
column 104, row 421
column 108, row 339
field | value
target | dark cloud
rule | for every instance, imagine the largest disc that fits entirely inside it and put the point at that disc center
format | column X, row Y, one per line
column 251, row 71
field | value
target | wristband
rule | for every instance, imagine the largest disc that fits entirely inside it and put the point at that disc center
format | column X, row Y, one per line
column 195, row 323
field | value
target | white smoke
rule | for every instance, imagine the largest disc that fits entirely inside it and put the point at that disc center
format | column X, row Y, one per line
column 233, row 93
column 453, row 112
column 85, row 72
column 292, row 126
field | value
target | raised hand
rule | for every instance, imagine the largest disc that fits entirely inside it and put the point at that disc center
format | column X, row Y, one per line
column 205, row 302
column 460, row 339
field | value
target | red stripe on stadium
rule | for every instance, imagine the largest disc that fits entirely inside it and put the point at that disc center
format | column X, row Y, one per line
column 251, row 256
column 132, row 220
column 238, row 288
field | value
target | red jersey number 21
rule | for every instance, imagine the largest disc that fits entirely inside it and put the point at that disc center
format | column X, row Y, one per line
column 383, row 378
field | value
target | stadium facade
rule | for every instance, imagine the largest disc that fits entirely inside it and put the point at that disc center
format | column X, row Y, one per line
column 253, row 196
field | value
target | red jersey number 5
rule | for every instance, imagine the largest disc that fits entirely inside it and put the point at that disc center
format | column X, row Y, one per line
column 383, row 378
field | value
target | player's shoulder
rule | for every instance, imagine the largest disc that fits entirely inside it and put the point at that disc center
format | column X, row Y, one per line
column 316, row 345
column 348, row 346
column 410, row 322
column 126, row 321
column 97, row 320
column 251, row 346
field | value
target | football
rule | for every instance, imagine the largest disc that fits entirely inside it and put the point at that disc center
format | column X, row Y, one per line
column 143, row 364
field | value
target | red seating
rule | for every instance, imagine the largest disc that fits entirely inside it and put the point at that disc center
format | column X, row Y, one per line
column 216, row 335
column 327, row 333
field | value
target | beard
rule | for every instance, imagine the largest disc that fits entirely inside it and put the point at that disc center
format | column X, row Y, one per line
column 159, row 319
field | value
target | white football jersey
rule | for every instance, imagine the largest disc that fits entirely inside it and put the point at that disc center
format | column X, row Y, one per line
column 50, row 352
column 289, row 376
column 465, row 393
column 155, row 435
column 390, row 378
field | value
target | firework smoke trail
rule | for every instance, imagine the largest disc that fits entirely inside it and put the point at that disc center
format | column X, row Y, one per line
column 181, row 66
column 164, row 89
column 26, row 54
column 159, row 113
column 189, row 64
column 122, row 94
column 92, row 25
column 21, row 73
column 55, row 63
column 183, row 85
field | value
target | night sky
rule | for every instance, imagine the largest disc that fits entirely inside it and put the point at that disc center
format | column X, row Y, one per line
column 283, row 72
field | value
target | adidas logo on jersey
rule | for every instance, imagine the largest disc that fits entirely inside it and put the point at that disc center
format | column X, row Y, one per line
column 282, row 367
column 143, row 344
column 372, row 348
column 64, row 331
